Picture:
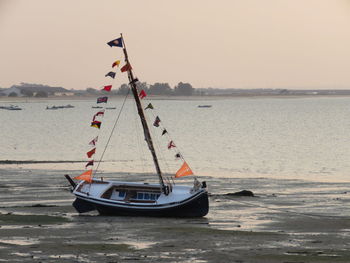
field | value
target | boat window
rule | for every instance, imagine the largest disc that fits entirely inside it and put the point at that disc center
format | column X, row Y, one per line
column 122, row 194
column 147, row 196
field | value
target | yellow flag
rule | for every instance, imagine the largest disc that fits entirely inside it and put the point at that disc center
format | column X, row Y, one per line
column 86, row 176
column 183, row 171
column 116, row 63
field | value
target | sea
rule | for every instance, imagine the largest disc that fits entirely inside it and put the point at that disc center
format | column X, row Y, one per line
column 292, row 153
column 284, row 138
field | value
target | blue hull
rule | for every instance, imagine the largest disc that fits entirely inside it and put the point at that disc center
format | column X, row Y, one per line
column 196, row 207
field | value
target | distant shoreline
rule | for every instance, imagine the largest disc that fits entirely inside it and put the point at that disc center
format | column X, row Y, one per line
column 161, row 97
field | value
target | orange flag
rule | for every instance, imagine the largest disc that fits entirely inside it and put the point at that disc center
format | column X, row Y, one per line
column 86, row 176
column 183, row 171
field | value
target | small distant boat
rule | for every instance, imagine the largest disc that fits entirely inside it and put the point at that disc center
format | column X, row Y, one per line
column 52, row 108
column 69, row 106
column 110, row 108
column 11, row 107
column 204, row 106
column 96, row 107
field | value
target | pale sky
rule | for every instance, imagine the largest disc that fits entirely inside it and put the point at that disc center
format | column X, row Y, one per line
column 221, row 43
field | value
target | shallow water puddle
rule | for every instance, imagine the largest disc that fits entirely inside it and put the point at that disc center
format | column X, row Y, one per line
column 140, row 245
column 19, row 242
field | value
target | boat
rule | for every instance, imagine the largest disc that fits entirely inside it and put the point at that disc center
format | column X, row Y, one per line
column 164, row 198
column 11, row 107
column 204, row 106
column 68, row 106
column 96, row 107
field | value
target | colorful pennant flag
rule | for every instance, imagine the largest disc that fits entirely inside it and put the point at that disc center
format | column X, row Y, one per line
column 116, row 42
column 102, row 100
column 156, row 122
column 107, row 88
column 94, row 141
column 183, row 171
column 111, row 74
column 96, row 124
column 100, row 113
column 116, row 63
column 171, row 145
column 149, row 106
column 91, row 153
column 90, row 163
column 142, row 94
column 86, row 176
column 164, row 132
column 126, row 67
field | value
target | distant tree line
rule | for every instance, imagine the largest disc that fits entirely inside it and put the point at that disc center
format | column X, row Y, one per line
column 181, row 89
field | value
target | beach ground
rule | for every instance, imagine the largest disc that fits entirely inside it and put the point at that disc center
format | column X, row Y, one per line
column 38, row 224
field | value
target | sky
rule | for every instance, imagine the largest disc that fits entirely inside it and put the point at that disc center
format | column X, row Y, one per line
column 299, row 44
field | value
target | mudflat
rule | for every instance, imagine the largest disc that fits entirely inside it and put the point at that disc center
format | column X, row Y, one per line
column 280, row 224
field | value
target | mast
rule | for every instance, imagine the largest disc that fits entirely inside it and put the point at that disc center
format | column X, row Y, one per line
column 148, row 138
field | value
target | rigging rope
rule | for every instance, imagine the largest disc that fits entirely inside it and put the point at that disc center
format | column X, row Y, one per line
column 110, row 136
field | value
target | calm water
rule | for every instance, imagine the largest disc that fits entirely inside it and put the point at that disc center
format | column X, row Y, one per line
column 303, row 138
column 292, row 153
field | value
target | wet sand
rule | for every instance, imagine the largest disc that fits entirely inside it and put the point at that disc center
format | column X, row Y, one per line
column 287, row 221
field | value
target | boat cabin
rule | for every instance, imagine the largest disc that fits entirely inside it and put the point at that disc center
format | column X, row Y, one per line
column 132, row 194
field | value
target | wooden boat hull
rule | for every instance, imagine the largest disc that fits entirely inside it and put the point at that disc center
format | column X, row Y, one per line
column 196, row 206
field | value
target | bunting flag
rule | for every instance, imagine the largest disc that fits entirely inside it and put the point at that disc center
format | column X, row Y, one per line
column 116, row 63
column 156, row 122
column 90, row 163
column 126, row 67
column 100, row 113
column 102, row 100
column 164, row 132
column 183, row 171
column 115, row 42
column 142, row 94
column 86, row 176
column 111, row 74
column 171, row 145
column 94, row 141
column 178, row 156
column 149, row 106
column 107, row 88
column 96, row 124
column 91, row 153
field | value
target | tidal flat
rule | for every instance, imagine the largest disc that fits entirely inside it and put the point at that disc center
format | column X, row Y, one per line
column 286, row 221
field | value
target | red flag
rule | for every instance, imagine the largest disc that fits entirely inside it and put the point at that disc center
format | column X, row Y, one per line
column 90, row 163
column 86, row 176
column 91, row 153
column 156, row 122
column 107, row 88
column 142, row 94
column 100, row 113
column 126, row 67
column 94, row 141
column 171, row 145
